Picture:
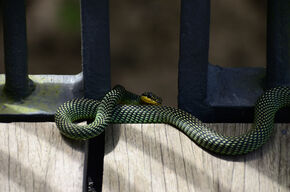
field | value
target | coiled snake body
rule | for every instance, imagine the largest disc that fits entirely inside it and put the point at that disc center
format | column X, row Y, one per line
column 111, row 110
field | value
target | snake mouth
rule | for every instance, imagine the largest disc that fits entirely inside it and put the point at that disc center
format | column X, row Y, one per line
column 150, row 99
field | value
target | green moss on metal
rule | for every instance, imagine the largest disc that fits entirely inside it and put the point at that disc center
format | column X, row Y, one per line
column 50, row 92
column 43, row 98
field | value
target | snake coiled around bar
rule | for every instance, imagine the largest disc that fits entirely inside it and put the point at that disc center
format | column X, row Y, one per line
column 111, row 110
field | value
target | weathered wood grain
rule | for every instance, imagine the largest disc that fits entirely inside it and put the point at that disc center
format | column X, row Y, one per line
column 35, row 157
column 160, row 158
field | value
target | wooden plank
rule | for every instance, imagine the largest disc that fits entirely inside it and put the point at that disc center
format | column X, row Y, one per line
column 159, row 158
column 35, row 157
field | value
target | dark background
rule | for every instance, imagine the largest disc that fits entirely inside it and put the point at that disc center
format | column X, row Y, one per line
column 144, row 40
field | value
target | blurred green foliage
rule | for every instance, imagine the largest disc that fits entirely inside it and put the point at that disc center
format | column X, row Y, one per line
column 69, row 16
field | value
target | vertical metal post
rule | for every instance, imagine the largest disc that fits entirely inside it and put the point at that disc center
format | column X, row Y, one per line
column 96, row 74
column 278, row 43
column 193, row 59
column 17, row 84
column 95, row 47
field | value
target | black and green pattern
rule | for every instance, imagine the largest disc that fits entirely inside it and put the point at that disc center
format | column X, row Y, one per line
column 109, row 110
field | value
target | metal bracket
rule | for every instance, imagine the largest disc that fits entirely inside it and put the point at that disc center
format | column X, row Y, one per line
column 50, row 92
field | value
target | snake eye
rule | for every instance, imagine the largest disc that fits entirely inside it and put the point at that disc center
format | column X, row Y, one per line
column 148, row 94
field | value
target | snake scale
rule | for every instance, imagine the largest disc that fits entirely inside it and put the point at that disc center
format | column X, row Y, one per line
column 121, row 106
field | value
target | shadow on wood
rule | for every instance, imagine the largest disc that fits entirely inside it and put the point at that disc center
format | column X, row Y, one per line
column 35, row 157
column 160, row 158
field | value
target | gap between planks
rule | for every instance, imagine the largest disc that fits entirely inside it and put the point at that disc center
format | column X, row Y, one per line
column 157, row 157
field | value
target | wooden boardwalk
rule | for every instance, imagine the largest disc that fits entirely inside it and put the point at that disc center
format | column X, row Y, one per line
column 35, row 157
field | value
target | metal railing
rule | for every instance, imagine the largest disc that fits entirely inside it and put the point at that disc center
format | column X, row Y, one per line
column 216, row 94
column 212, row 93
column 26, row 97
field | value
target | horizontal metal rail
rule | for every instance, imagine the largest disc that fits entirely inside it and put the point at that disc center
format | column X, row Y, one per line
column 50, row 92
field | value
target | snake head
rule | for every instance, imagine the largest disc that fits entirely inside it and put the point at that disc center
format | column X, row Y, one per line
column 150, row 98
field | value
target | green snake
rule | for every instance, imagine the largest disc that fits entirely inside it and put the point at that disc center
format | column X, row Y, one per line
column 121, row 106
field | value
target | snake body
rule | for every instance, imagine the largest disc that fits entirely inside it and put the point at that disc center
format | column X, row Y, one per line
column 109, row 110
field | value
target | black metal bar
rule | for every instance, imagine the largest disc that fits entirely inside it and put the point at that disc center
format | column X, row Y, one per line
column 278, row 43
column 17, row 82
column 95, row 47
column 96, row 74
column 193, row 59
